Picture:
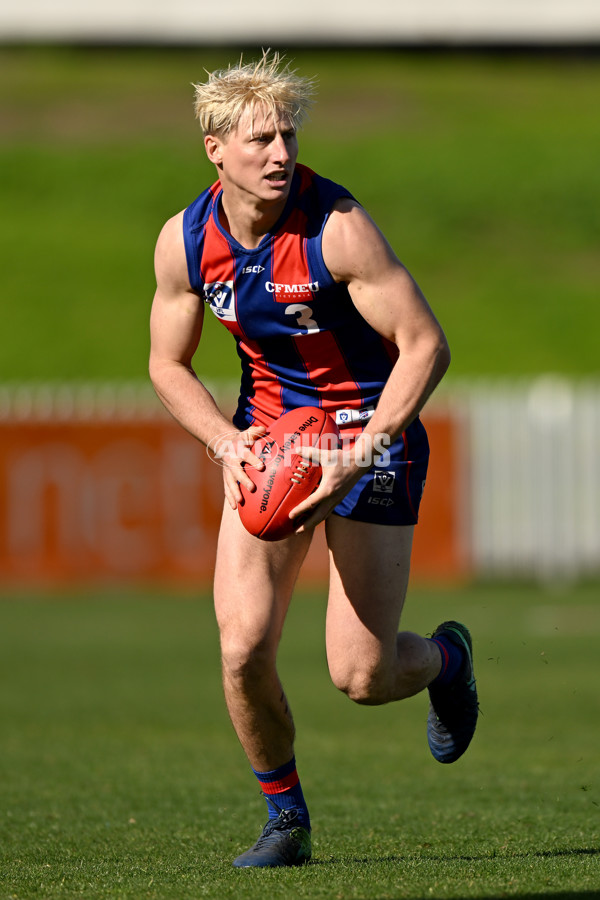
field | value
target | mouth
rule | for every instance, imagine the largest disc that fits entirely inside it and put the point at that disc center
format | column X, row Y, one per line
column 277, row 178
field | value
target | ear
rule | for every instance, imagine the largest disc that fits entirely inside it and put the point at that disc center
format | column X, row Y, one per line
column 213, row 146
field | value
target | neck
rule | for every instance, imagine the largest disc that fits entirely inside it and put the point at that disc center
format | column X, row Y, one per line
column 248, row 225
column 247, row 218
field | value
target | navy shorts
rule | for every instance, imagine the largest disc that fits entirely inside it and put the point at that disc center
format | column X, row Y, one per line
column 390, row 492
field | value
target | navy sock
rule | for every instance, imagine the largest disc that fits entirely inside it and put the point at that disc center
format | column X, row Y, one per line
column 282, row 790
column 452, row 660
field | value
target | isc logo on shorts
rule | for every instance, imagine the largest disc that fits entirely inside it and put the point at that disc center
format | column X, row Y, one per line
column 221, row 298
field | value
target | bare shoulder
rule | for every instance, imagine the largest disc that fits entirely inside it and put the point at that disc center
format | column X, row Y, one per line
column 353, row 244
column 172, row 230
column 356, row 253
column 177, row 311
column 169, row 257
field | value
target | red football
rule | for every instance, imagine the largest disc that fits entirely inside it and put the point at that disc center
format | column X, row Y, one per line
column 287, row 478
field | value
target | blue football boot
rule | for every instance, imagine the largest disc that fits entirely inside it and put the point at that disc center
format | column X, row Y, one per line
column 454, row 708
column 283, row 842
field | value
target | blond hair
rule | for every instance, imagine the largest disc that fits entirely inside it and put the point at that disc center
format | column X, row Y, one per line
column 269, row 82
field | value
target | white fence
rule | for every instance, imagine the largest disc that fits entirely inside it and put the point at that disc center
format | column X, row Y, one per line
column 534, row 477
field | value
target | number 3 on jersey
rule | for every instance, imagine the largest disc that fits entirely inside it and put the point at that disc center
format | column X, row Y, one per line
column 304, row 318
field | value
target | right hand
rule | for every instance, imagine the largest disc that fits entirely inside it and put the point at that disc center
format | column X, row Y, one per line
column 233, row 451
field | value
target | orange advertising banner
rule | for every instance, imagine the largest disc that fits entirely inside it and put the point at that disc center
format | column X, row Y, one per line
column 139, row 501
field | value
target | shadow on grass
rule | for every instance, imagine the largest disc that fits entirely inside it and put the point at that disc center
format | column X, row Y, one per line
column 539, row 854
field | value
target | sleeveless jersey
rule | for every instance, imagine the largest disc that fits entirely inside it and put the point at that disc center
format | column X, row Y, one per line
column 300, row 338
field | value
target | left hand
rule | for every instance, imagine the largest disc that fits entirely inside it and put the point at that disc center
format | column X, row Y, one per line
column 339, row 474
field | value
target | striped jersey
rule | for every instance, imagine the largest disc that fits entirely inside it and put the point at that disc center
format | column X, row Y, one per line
column 300, row 339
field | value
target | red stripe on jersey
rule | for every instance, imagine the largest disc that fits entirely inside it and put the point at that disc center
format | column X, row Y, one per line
column 278, row 787
column 290, row 271
column 218, row 252
column 334, row 377
column 215, row 188
column 264, row 383
column 219, row 265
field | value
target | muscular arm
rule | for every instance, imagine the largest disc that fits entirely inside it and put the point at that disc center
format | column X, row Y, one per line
column 389, row 299
column 175, row 329
column 385, row 294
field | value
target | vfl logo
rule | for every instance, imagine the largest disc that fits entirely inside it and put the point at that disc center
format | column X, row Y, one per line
column 343, row 416
column 383, row 482
column 220, row 296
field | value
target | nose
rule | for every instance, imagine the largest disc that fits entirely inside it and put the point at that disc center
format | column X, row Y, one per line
column 281, row 153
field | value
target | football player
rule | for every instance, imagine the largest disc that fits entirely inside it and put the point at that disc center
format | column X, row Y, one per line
column 322, row 313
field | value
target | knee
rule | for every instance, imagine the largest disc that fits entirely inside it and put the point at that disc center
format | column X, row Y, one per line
column 367, row 684
column 244, row 662
column 242, row 658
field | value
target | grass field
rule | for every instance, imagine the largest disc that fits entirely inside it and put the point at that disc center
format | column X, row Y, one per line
column 482, row 170
column 121, row 776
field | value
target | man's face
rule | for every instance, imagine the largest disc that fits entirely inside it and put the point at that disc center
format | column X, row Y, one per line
column 259, row 157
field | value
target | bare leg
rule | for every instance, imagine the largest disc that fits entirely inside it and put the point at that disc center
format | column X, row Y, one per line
column 368, row 659
column 254, row 581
